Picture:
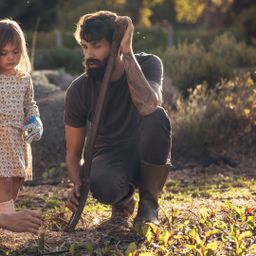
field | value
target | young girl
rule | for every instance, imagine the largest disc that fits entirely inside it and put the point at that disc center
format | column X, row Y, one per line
column 19, row 115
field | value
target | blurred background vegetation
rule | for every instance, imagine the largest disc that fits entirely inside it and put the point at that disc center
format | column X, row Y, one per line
column 208, row 51
column 179, row 30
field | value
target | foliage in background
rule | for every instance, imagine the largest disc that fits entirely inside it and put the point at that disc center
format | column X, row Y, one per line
column 63, row 15
column 56, row 58
column 243, row 14
column 187, row 63
column 153, row 20
column 189, row 10
column 27, row 12
column 190, row 64
column 212, row 121
column 206, row 36
column 42, row 86
column 70, row 57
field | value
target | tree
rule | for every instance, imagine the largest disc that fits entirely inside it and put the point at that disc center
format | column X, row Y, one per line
column 27, row 12
column 192, row 10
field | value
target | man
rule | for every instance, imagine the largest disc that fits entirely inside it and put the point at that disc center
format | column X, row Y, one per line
column 22, row 221
column 133, row 144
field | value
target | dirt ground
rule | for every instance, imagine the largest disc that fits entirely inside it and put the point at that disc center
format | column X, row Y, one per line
column 94, row 231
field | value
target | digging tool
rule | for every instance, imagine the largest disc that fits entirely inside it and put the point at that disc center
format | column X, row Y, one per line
column 85, row 173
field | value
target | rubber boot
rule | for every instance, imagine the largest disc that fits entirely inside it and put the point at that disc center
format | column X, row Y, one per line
column 151, row 182
column 124, row 209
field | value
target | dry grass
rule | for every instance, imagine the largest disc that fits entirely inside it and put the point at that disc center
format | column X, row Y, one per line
column 189, row 195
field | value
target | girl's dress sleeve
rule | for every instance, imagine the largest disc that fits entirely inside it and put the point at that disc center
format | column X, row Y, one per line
column 30, row 106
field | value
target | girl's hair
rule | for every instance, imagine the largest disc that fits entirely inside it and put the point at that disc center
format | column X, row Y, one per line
column 11, row 33
column 96, row 26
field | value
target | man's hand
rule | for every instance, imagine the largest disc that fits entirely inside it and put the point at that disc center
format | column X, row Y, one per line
column 126, row 42
column 73, row 197
column 34, row 129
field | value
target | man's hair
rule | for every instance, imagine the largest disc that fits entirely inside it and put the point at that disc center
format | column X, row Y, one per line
column 96, row 26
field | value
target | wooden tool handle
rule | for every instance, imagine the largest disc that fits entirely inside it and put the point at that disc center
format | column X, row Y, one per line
column 85, row 174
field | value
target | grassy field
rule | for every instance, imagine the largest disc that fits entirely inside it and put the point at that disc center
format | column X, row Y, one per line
column 208, row 211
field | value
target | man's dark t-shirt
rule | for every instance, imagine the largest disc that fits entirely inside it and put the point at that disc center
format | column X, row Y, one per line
column 120, row 119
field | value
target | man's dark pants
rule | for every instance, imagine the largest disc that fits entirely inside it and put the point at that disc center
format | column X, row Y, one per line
column 114, row 169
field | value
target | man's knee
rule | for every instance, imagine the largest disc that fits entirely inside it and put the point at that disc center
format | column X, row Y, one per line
column 156, row 123
column 155, row 137
column 108, row 189
column 157, row 119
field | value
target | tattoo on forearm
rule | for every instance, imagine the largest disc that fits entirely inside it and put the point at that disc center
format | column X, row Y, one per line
column 143, row 95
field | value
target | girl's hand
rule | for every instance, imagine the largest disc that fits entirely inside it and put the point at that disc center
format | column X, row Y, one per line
column 34, row 129
column 23, row 221
column 126, row 42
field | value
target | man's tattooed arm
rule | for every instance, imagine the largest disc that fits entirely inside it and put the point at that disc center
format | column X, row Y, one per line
column 145, row 95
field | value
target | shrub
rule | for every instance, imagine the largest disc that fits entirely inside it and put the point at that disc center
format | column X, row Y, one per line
column 49, row 39
column 216, row 120
column 206, row 36
column 148, row 40
column 59, row 77
column 42, row 86
column 189, row 36
column 186, row 64
column 60, row 58
column 190, row 64
column 235, row 54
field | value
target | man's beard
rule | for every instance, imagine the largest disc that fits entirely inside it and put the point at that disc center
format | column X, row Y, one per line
column 98, row 72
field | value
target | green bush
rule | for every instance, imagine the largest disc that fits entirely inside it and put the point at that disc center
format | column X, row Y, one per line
column 186, row 64
column 70, row 57
column 148, row 40
column 42, row 86
column 246, row 18
column 205, row 36
column 42, row 39
column 189, row 36
column 216, row 120
column 60, row 58
column 49, row 39
column 199, row 125
column 190, row 64
column 235, row 54
column 144, row 39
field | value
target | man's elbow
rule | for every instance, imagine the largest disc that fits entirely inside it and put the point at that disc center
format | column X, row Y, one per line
column 147, row 109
